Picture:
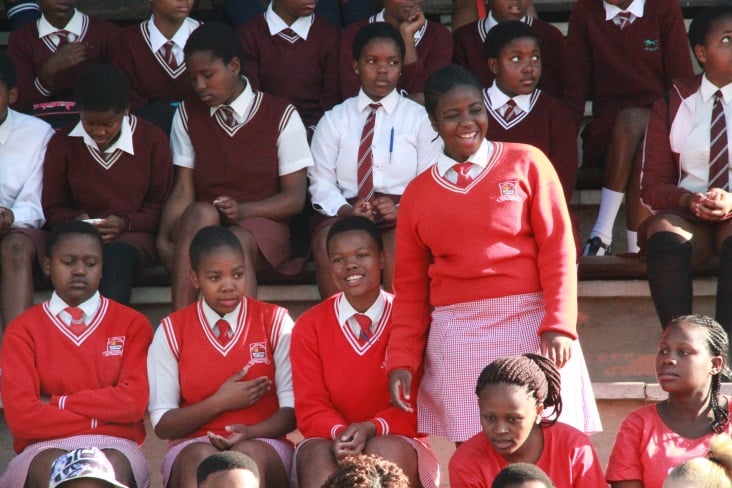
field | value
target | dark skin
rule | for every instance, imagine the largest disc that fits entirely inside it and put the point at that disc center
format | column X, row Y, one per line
column 67, row 56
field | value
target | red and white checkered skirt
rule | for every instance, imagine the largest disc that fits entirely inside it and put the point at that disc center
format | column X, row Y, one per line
column 427, row 462
column 466, row 337
column 17, row 471
column 283, row 448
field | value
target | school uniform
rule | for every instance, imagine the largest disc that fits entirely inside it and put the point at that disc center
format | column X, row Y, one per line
column 326, row 341
column 96, row 381
column 434, row 51
column 30, row 47
column 309, row 47
column 187, row 364
column 632, row 67
column 245, row 161
column 131, row 179
column 140, row 53
column 404, row 145
column 468, row 51
column 511, row 278
column 567, row 457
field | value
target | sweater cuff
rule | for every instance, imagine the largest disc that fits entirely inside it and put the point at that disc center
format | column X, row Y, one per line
column 336, row 430
column 58, row 401
column 46, row 92
column 382, row 427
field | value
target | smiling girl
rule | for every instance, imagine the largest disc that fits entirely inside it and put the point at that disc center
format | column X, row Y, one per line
column 485, row 265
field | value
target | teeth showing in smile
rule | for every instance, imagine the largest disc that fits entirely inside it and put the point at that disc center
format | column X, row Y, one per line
column 354, row 277
column 468, row 136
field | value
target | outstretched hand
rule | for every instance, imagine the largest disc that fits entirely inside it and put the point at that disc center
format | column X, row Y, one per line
column 557, row 347
column 400, row 385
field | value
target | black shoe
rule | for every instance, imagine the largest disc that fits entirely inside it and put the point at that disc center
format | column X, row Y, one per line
column 595, row 247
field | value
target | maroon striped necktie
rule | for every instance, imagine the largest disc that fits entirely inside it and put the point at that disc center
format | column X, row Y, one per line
column 167, row 52
column 622, row 20
column 366, row 156
column 718, row 151
column 63, row 37
column 510, row 113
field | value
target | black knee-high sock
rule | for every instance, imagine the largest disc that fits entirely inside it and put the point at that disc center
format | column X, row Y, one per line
column 669, row 275
column 724, row 286
column 121, row 260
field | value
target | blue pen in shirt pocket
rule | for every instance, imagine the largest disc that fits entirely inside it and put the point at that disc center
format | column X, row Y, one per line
column 391, row 144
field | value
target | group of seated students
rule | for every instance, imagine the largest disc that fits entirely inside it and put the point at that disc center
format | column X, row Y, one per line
column 239, row 126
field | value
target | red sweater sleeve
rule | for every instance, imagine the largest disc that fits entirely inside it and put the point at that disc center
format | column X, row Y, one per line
column 122, row 59
column 438, row 55
column 251, row 53
column 578, row 66
column 411, row 314
column 27, row 415
column 147, row 217
column 126, row 401
column 315, row 412
column 20, row 51
column 660, row 177
column 58, row 205
column 556, row 257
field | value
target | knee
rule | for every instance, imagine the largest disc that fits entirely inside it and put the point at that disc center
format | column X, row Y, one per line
column 17, row 251
column 122, row 467
column 632, row 120
column 192, row 455
column 198, row 215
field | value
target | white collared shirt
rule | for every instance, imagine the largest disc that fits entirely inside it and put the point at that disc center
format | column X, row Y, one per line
column 479, row 159
column 23, row 141
column 346, row 312
column 157, row 39
column 491, row 21
column 499, row 99
column 635, row 9
column 379, row 17
column 57, row 307
column 293, row 153
column 74, row 26
column 123, row 142
column 691, row 132
column 404, row 145
column 301, row 26
column 165, row 383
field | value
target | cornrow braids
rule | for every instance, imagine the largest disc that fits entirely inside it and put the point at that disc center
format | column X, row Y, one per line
column 717, row 343
column 536, row 373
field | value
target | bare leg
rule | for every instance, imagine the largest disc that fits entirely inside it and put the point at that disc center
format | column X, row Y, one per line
column 185, row 466
column 253, row 259
column 39, row 470
column 636, row 213
column 17, row 253
column 323, row 276
column 122, row 468
column 398, row 451
column 315, row 462
column 197, row 216
column 271, row 470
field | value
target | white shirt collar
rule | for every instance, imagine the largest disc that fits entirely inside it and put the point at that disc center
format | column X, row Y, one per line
column 708, row 89
column 157, row 39
column 379, row 17
column 212, row 316
column 635, row 8
column 499, row 98
column 241, row 104
column 56, row 305
column 388, row 103
column 492, row 22
column 479, row 158
column 7, row 126
column 346, row 310
column 123, row 142
column 301, row 26
column 75, row 25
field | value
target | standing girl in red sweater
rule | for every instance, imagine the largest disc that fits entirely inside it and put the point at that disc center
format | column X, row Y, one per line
column 507, row 285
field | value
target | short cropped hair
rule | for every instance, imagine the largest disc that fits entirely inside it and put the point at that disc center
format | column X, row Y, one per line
column 225, row 461
column 354, row 222
column 505, row 32
column 71, row 227
column 8, row 73
column 704, row 21
column 377, row 30
column 519, row 473
column 210, row 238
column 217, row 38
column 102, row 87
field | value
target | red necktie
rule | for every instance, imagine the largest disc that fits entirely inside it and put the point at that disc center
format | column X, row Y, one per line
column 227, row 113
column 365, row 323
column 622, row 20
column 77, row 326
column 167, row 52
column 718, row 151
column 463, row 173
column 366, row 156
column 510, row 112
column 224, row 332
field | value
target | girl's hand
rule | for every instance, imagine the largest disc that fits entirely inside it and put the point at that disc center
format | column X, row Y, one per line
column 400, row 384
column 385, row 209
column 228, row 207
column 239, row 432
column 713, row 206
column 557, row 347
column 6, row 218
column 110, row 227
column 363, row 208
column 353, row 439
column 415, row 21
column 234, row 393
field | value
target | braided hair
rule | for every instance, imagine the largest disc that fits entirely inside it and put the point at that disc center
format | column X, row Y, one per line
column 717, row 343
column 536, row 373
column 367, row 471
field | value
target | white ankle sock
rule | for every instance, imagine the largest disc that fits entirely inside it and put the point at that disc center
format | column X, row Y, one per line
column 610, row 202
column 632, row 241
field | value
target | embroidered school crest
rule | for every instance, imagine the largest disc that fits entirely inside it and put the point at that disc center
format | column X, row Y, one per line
column 508, row 191
column 258, row 353
column 115, row 346
column 651, row 45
